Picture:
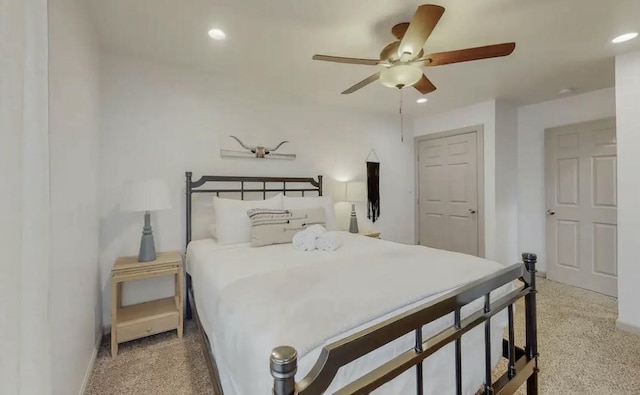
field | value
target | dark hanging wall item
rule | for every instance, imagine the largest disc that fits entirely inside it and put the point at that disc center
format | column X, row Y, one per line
column 373, row 187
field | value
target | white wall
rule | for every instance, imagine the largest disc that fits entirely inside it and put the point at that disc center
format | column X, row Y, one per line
column 11, row 91
column 628, row 129
column 25, row 364
column 532, row 122
column 74, row 299
column 478, row 114
column 506, row 182
column 160, row 121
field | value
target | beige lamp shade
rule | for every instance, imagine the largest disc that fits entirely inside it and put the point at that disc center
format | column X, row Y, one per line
column 400, row 76
column 340, row 191
column 356, row 191
column 147, row 195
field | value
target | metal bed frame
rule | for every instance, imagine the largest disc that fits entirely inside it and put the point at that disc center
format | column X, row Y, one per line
column 522, row 362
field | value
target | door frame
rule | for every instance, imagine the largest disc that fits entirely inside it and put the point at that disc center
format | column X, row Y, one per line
column 479, row 131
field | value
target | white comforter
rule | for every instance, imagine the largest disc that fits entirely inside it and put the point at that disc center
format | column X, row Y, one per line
column 253, row 299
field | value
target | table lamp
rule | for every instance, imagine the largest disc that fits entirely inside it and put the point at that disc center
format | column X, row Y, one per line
column 356, row 192
column 148, row 195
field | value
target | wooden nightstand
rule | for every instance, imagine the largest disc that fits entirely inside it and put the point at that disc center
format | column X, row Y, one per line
column 375, row 235
column 148, row 318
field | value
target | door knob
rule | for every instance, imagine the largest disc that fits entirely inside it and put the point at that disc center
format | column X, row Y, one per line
column 472, row 211
column 551, row 212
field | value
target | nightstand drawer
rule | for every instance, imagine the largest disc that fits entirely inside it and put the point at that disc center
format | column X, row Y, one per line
column 152, row 326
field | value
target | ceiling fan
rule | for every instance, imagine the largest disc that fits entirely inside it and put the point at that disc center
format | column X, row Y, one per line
column 403, row 60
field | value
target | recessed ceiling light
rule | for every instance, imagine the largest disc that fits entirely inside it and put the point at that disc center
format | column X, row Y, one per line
column 565, row 91
column 422, row 100
column 624, row 37
column 217, row 34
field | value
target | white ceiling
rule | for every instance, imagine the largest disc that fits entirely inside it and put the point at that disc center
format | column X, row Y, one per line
column 560, row 44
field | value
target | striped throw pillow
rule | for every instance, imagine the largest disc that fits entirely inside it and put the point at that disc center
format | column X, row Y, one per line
column 275, row 226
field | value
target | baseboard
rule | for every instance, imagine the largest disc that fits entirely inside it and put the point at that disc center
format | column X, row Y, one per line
column 92, row 363
column 541, row 274
column 624, row 326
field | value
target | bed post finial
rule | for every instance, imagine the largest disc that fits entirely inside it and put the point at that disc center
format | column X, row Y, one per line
column 531, row 330
column 530, row 260
column 284, row 364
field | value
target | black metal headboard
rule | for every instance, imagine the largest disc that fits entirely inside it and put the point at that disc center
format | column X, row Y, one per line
column 198, row 186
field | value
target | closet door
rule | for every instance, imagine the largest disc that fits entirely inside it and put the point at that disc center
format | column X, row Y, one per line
column 448, row 193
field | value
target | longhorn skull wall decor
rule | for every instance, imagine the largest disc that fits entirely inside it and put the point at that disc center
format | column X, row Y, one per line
column 256, row 152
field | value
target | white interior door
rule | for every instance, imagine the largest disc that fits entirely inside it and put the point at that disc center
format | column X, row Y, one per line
column 582, row 205
column 448, row 193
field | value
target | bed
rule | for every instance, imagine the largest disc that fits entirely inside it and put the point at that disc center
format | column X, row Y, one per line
column 372, row 317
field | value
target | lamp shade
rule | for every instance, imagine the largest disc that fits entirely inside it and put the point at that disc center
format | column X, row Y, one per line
column 356, row 191
column 400, row 76
column 147, row 195
column 340, row 191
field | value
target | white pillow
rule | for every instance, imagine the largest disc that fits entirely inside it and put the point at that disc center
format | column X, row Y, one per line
column 212, row 231
column 233, row 225
column 312, row 202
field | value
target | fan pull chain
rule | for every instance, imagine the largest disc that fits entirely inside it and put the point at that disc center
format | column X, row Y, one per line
column 401, row 119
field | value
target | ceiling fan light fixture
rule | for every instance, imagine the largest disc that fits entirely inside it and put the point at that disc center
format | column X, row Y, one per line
column 401, row 75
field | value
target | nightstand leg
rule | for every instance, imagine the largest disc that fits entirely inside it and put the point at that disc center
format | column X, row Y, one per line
column 114, row 345
column 119, row 304
column 176, row 290
column 115, row 300
column 179, row 291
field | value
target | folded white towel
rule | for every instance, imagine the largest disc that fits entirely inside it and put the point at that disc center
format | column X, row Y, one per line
column 329, row 241
column 316, row 230
column 304, row 240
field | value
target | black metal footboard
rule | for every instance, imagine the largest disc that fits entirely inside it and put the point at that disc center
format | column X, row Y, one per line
column 522, row 363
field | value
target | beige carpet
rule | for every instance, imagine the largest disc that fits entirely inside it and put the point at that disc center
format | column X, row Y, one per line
column 581, row 352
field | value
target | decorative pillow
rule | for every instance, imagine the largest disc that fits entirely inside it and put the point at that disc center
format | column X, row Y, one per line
column 279, row 226
column 233, row 226
column 313, row 202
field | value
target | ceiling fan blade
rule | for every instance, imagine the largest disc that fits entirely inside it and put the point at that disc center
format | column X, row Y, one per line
column 424, row 86
column 338, row 59
column 466, row 55
column 362, row 84
column 424, row 21
column 399, row 30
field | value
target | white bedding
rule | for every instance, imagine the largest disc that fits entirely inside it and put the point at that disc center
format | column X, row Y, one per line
column 316, row 299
